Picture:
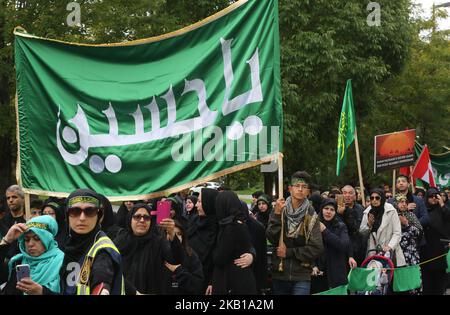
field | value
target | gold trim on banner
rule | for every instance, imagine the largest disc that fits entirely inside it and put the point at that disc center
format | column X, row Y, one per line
column 18, row 169
column 169, row 191
column 20, row 31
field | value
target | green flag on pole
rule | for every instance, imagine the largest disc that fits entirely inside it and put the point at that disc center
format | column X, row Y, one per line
column 140, row 119
column 347, row 126
column 448, row 262
column 407, row 278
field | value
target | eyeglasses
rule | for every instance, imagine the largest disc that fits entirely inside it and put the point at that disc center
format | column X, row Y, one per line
column 76, row 211
column 375, row 198
column 433, row 196
column 138, row 217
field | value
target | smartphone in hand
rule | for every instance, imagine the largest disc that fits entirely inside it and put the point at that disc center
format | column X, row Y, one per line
column 22, row 271
column 163, row 210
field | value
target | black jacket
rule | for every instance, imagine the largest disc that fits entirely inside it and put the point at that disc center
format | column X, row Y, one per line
column 334, row 260
column 233, row 241
column 188, row 278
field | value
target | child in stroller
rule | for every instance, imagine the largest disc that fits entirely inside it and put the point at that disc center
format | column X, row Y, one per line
column 383, row 270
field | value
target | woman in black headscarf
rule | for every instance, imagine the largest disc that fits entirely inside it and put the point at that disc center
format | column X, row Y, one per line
column 187, row 277
column 259, row 242
column 433, row 273
column 122, row 213
column 264, row 206
column 108, row 222
column 331, row 267
column 381, row 225
column 86, row 270
column 203, row 231
column 144, row 251
column 54, row 208
column 233, row 241
column 191, row 209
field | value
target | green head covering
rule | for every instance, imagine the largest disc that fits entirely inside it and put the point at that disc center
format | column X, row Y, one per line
column 265, row 199
column 44, row 269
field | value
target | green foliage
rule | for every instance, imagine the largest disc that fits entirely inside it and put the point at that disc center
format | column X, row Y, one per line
column 399, row 80
column 323, row 44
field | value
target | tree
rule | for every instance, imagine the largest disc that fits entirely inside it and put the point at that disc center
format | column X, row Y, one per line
column 323, row 44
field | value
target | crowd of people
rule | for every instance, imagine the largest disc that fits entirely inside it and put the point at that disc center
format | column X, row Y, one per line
column 214, row 243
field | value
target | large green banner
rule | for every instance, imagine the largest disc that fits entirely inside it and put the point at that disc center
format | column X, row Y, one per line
column 145, row 118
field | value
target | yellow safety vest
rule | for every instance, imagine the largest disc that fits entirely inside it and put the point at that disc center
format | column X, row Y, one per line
column 83, row 285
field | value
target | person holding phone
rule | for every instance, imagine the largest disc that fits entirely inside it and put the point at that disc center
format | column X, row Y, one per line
column 144, row 251
column 40, row 259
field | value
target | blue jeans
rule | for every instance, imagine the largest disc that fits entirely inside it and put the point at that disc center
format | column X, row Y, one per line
column 281, row 287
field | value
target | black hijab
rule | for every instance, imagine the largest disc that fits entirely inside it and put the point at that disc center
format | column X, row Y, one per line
column 263, row 217
column 228, row 208
column 194, row 200
column 333, row 222
column 435, row 213
column 141, row 256
column 55, row 204
column 209, row 196
column 377, row 211
column 79, row 244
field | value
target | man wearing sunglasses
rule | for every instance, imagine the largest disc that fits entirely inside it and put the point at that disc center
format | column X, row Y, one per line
column 92, row 263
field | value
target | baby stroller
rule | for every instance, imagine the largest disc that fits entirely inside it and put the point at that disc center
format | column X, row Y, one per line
column 382, row 278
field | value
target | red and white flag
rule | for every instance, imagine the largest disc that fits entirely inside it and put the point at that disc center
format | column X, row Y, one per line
column 422, row 170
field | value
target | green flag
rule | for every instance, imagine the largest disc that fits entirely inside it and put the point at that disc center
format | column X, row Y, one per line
column 347, row 127
column 407, row 278
column 362, row 279
column 341, row 290
column 448, row 262
column 147, row 118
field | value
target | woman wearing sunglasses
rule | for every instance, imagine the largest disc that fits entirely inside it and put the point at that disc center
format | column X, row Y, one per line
column 92, row 263
column 382, row 226
column 433, row 273
column 144, row 250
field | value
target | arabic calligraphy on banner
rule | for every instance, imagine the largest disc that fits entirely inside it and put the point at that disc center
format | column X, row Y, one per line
column 154, row 116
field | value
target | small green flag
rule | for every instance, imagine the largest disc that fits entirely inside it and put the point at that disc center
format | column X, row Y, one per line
column 341, row 290
column 407, row 278
column 347, row 127
column 362, row 279
column 448, row 262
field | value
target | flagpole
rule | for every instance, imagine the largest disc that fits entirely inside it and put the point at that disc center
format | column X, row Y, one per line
column 27, row 206
column 280, row 195
column 361, row 184
column 412, row 180
column 393, row 182
column 280, row 176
